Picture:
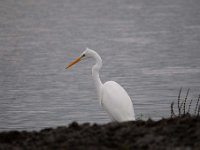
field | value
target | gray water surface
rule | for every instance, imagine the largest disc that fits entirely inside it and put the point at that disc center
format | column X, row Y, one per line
column 151, row 48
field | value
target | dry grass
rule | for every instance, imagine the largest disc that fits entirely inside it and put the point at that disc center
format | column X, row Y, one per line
column 183, row 103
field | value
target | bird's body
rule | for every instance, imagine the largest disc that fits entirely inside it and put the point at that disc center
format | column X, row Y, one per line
column 116, row 102
column 113, row 98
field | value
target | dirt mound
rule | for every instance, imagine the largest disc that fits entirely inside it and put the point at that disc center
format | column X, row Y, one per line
column 176, row 133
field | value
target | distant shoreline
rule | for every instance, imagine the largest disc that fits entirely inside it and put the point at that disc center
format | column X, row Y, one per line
column 171, row 133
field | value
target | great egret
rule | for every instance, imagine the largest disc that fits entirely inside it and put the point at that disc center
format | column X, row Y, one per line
column 112, row 96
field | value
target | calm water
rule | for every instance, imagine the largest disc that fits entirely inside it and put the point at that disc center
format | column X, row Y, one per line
column 151, row 48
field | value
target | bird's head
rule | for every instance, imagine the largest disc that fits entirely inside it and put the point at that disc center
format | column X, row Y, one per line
column 88, row 53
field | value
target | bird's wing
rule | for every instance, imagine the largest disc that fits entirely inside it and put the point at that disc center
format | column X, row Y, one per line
column 117, row 102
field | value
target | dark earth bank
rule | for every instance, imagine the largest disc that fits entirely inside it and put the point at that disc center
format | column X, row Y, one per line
column 173, row 133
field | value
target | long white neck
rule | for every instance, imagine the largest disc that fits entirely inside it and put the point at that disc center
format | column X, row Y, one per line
column 95, row 73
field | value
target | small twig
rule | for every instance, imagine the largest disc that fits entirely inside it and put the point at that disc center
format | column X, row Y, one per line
column 189, row 106
column 184, row 104
column 172, row 110
column 198, row 111
column 181, row 108
column 179, row 96
column 197, row 104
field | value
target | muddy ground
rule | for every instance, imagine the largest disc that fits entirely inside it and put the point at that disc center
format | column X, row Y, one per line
column 178, row 133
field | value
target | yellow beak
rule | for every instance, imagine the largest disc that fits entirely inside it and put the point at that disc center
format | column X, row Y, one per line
column 73, row 62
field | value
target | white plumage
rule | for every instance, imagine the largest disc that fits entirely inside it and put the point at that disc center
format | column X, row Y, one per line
column 116, row 102
column 113, row 98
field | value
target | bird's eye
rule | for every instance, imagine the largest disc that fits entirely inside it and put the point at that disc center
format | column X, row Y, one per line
column 83, row 55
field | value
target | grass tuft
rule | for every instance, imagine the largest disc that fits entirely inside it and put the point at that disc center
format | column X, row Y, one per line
column 182, row 104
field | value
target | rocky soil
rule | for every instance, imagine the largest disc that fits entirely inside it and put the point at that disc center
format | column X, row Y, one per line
column 173, row 133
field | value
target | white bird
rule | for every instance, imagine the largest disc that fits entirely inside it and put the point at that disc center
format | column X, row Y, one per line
column 113, row 98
